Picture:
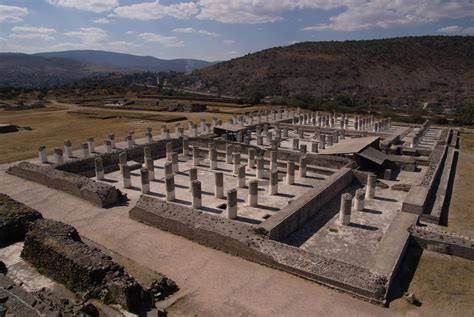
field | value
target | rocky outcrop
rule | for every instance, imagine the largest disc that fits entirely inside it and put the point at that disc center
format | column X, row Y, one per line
column 57, row 250
column 15, row 218
column 100, row 194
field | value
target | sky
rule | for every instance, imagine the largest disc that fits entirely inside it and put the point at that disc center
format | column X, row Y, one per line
column 218, row 29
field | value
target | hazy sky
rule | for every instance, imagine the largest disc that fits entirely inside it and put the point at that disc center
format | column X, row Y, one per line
column 218, row 29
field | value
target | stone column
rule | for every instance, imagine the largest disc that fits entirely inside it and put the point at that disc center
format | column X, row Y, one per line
column 213, row 158
column 370, row 190
column 108, row 146
column 285, row 132
column 99, row 168
column 296, row 144
column 175, row 162
column 302, row 167
column 251, row 158
column 329, row 137
column 58, row 156
column 195, row 155
column 168, row 168
column 314, row 147
column 322, row 141
column 228, row 153
column 91, row 145
column 112, row 140
column 241, row 176
column 236, row 162
column 126, row 179
column 43, row 157
column 260, row 167
column 193, row 175
column 128, row 140
column 303, row 148
column 301, row 134
column 196, row 188
column 359, row 200
column 273, row 184
column 259, row 140
column 169, row 150
column 232, row 204
column 146, row 152
column 290, row 172
column 132, row 136
column 85, row 150
column 345, row 210
column 150, row 168
column 273, row 161
column 145, row 180
column 185, row 146
column 68, row 148
column 122, row 160
column 219, row 185
column 149, row 137
column 253, row 193
column 170, row 192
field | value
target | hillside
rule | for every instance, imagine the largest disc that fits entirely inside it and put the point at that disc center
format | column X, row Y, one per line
column 422, row 67
column 129, row 62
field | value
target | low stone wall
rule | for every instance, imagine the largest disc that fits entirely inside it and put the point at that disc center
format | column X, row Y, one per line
column 443, row 242
column 86, row 167
column 291, row 217
column 15, row 219
column 56, row 249
column 100, row 194
column 249, row 242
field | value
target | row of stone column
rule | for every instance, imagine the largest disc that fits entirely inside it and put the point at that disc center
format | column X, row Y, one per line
column 358, row 203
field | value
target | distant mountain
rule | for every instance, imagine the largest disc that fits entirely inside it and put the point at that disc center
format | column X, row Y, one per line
column 129, row 62
column 56, row 68
column 428, row 67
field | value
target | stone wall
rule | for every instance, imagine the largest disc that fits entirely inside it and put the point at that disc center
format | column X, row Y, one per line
column 250, row 242
column 100, row 194
column 15, row 219
column 443, row 242
column 57, row 250
column 291, row 217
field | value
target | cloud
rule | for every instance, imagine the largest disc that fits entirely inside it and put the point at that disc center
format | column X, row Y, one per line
column 89, row 35
column 456, row 29
column 103, row 21
column 362, row 15
column 12, row 14
column 228, row 42
column 32, row 32
column 130, row 32
column 96, row 6
column 170, row 41
column 155, row 11
column 95, row 38
column 191, row 30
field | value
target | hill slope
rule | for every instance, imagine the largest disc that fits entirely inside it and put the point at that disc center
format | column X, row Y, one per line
column 422, row 67
column 129, row 62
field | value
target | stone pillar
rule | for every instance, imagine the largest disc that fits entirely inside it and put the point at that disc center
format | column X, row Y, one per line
column 175, row 162
column 68, row 148
column 185, row 146
column 192, row 177
column 85, row 150
column 43, row 157
column 91, row 145
column 168, row 168
column 302, row 167
column 290, row 172
column 112, row 140
column 126, row 179
column 259, row 140
column 219, row 185
column 359, row 200
column 273, row 184
column 195, row 155
column 329, row 137
column 122, row 160
column 145, row 180
column 169, row 150
column 296, row 144
column 170, row 192
column 253, row 193
column 99, row 168
column 213, row 158
column 149, row 137
column 232, row 203
column 128, row 140
column 322, row 141
column 58, row 156
column 301, row 134
column 314, row 147
column 228, row 153
column 285, row 132
column 241, row 176
column 108, row 146
column 345, row 210
column 251, row 158
column 260, row 167
column 132, row 136
column 196, row 188
column 273, row 161
column 146, row 152
column 303, row 148
column 370, row 190
column 236, row 162
column 150, row 168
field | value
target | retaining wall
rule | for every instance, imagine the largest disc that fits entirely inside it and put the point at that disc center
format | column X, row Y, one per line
column 291, row 217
